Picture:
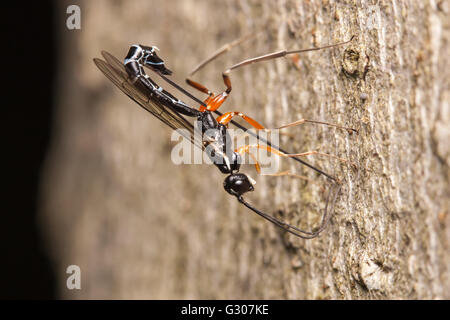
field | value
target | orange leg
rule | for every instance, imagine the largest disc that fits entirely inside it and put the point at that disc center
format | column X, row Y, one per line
column 302, row 121
column 217, row 101
column 246, row 149
column 213, row 102
column 266, row 57
column 225, row 48
column 278, row 174
column 199, row 87
column 226, row 118
column 203, row 89
column 287, row 173
column 270, row 56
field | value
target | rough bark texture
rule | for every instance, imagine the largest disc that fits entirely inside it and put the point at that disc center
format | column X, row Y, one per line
column 141, row 227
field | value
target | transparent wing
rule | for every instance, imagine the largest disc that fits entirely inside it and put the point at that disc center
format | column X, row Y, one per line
column 114, row 70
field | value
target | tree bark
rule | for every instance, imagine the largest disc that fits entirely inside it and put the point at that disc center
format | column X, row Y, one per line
column 141, row 227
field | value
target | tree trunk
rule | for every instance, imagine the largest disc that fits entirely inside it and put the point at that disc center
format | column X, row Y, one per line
column 140, row 226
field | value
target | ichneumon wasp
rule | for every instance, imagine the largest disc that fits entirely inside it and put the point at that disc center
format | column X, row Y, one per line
column 131, row 78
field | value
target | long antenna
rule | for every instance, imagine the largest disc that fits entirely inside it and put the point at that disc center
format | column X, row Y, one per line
column 292, row 229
